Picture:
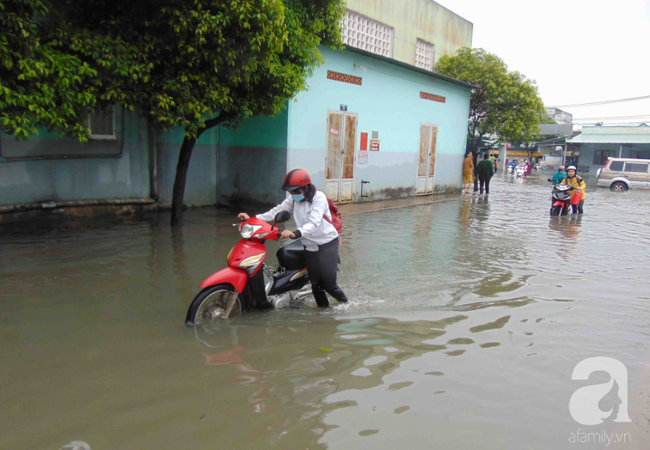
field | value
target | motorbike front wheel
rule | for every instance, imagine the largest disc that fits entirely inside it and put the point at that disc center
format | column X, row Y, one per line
column 556, row 210
column 211, row 303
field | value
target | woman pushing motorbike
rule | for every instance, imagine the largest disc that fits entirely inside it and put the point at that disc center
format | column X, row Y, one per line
column 316, row 232
column 572, row 179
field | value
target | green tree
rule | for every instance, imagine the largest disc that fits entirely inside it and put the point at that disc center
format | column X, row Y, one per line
column 191, row 63
column 502, row 103
column 42, row 84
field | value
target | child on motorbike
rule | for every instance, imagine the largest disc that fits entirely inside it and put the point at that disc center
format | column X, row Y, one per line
column 315, row 230
column 559, row 176
column 572, row 179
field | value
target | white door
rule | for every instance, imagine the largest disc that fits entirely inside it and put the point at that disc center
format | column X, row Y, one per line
column 341, row 149
column 427, row 159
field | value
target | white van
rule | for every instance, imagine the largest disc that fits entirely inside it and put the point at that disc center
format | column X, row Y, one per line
column 621, row 174
column 551, row 162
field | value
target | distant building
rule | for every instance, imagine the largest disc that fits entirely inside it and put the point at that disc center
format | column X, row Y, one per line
column 597, row 143
column 559, row 116
column 416, row 32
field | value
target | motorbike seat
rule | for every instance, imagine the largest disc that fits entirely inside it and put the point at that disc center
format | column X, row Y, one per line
column 292, row 256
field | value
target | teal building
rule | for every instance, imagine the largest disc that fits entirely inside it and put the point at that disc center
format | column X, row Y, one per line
column 367, row 128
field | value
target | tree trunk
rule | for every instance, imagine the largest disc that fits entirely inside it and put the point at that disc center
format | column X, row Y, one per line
column 181, row 179
column 184, row 163
column 475, row 145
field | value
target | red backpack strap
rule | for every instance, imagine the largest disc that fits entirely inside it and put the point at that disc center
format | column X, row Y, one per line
column 333, row 208
column 335, row 221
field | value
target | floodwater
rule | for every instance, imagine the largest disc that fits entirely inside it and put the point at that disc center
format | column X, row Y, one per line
column 466, row 321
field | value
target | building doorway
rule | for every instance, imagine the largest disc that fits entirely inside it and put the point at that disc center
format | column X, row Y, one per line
column 339, row 163
column 427, row 159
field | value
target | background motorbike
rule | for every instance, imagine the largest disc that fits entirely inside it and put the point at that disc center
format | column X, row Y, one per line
column 520, row 171
column 247, row 281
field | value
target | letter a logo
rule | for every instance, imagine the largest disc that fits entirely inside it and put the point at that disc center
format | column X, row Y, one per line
column 583, row 404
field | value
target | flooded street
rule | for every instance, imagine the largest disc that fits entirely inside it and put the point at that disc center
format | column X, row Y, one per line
column 466, row 321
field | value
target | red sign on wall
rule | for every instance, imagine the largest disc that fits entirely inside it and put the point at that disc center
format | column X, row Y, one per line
column 364, row 141
column 374, row 145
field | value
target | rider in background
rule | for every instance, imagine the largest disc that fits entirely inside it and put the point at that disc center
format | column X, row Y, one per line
column 559, row 176
column 572, row 179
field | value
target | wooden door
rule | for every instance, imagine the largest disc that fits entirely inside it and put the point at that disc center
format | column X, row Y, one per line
column 341, row 150
column 333, row 160
column 349, row 151
column 432, row 159
column 423, row 161
column 427, row 159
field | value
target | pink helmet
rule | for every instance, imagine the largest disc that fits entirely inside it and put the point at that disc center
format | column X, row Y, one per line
column 561, row 167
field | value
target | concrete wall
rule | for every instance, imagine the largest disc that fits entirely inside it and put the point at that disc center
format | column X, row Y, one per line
column 201, row 187
column 48, row 168
column 252, row 161
column 413, row 19
column 388, row 101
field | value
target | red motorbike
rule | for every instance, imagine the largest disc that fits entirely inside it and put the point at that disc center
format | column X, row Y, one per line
column 247, row 281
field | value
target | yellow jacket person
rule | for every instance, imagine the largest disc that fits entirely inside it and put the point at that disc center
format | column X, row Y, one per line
column 572, row 179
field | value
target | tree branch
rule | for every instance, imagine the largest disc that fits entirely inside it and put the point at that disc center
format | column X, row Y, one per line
column 211, row 123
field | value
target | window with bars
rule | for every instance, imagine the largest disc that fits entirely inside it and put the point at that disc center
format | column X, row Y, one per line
column 424, row 53
column 368, row 34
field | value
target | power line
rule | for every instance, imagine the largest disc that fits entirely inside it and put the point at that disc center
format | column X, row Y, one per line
column 613, row 123
column 604, row 102
column 612, row 118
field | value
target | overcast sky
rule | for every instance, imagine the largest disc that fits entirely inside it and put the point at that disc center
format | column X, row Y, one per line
column 577, row 51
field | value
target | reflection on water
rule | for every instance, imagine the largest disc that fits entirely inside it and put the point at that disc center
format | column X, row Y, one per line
column 466, row 320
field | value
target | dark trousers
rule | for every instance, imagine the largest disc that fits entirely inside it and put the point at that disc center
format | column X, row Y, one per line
column 486, row 182
column 578, row 208
column 321, row 266
column 258, row 291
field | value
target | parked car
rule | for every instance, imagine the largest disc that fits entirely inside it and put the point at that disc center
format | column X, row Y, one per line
column 621, row 174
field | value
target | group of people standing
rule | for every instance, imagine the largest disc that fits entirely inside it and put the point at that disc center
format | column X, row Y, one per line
column 484, row 171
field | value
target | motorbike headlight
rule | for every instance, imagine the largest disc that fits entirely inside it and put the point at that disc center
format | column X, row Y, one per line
column 248, row 230
column 251, row 263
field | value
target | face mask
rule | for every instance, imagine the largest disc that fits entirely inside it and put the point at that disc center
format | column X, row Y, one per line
column 298, row 198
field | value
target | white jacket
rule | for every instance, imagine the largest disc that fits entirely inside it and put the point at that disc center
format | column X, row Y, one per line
column 309, row 217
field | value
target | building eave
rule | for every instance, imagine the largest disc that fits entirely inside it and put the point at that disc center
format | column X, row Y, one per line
column 410, row 67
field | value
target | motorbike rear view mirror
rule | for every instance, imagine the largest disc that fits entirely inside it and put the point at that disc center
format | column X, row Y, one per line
column 548, row 179
column 282, row 216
